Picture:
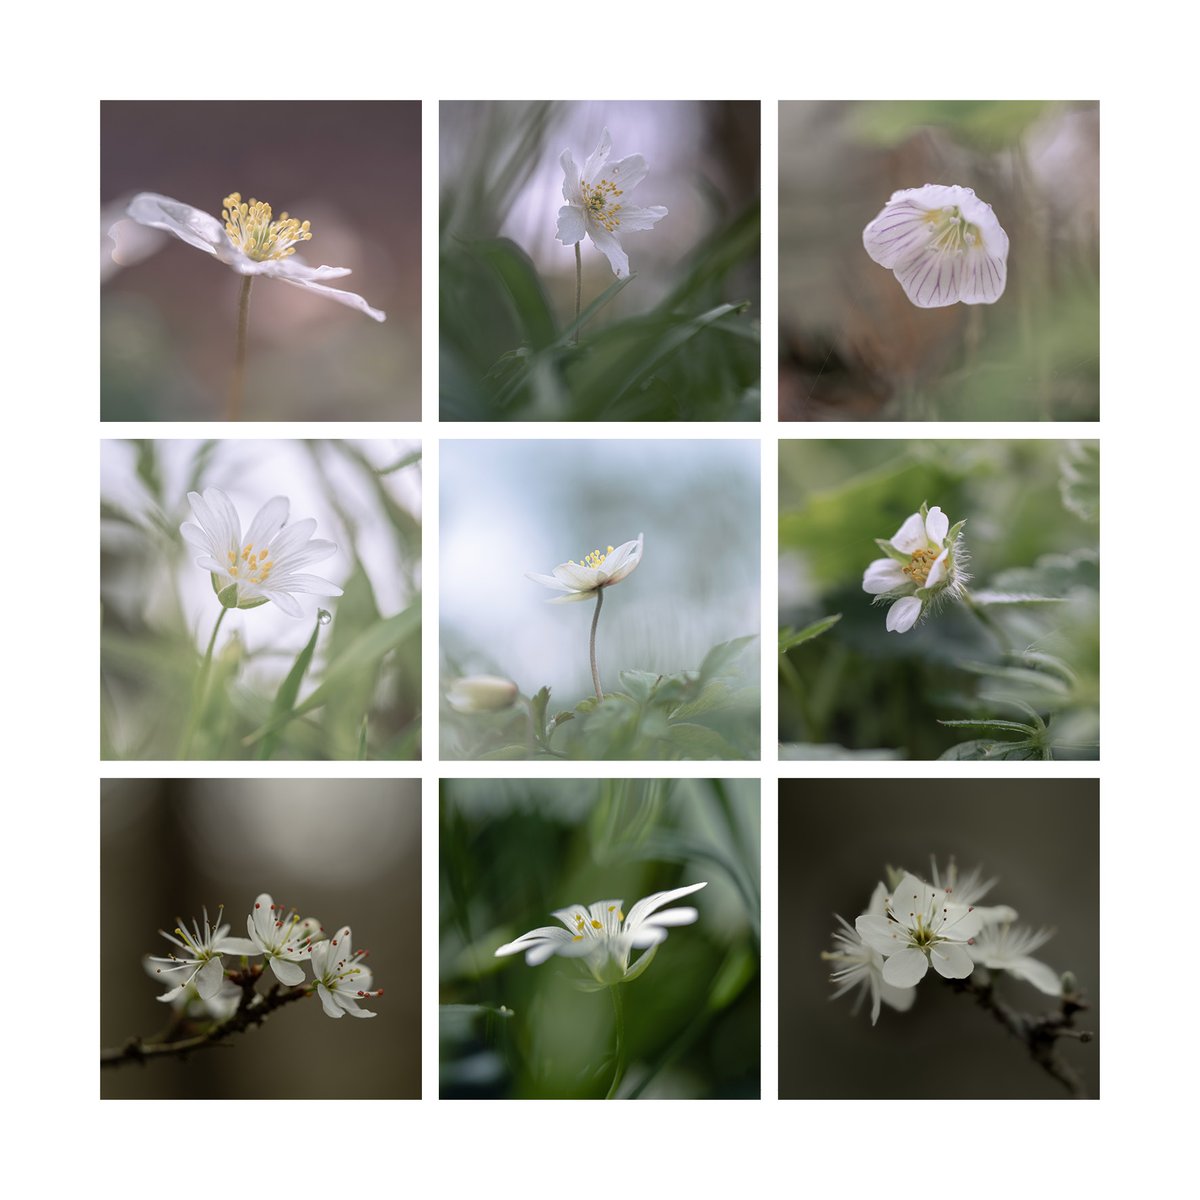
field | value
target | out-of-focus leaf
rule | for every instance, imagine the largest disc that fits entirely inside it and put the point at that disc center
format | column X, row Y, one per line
column 289, row 689
column 791, row 638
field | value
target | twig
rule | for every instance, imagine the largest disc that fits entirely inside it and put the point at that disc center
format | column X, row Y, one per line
column 253, row 1010
column 1040, row 1034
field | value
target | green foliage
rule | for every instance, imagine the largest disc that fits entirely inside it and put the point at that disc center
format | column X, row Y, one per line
column 1016, row 666
column 512, row 852
column 350, row 691
column 711, row 713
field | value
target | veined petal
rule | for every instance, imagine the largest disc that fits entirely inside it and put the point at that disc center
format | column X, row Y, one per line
column 548, row 581
column 648, row 904
column 901, row 230
column 331, row 1008
column 350, row 299
column 884, row 575
column 578, row 576
column 610, row 247
column 937, row 525
column 295, row 269
column 906, row 969
column 984, row 276
column 880, row 934
column 209, row 978
column 572, row 597
column 902, row 616
column 932, row 278
column 627, row 173
column 571, row 225
column 911, row 535
column 188, row 224
column 634, row 218
column 268, row 521
column 282, row 600
column 951, row 960
column 598, row 158
column 310, row 585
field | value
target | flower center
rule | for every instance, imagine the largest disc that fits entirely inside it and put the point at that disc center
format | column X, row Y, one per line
column 952, row 232
column 920, row 565
column 251, row 566
column 252, row 231
column 600, row 203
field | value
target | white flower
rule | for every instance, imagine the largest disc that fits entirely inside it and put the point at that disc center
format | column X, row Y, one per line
column 481, row 693
column 944, row 245
column 921, row 926
column 284, row 940
column 342, row 980
column 598, row 570
column 249, row 241
column 862, row 967
column 603, row 935
column 924, row 563
column 189, row 1003
column 263, row 563
column 200, row 964
column 1007, row 948
column 594, row 203
column 969, row 889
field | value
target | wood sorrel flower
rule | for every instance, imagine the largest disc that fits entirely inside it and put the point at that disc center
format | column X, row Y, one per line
column 251, row 241
column 342, row 980
column 944, row 245
column 924, row 565
column 920, row 925
column 603, row 935
column 596, row 204
column 600, row 569
column 263, row 563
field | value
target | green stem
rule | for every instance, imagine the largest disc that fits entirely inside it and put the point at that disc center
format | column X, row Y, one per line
column 237, row 388
column 200, row 693
column 578, row 292
column 988, row 622
column 619, row 1030
column 592, row 644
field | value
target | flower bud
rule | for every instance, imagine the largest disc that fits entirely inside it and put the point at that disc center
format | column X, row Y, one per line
column 481, row 693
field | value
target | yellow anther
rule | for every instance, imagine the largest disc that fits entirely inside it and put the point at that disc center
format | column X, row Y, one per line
column 920, row 565
column 620, row 916
column 612, row 908
column 252, row 230
column 596, row 924
column 233, row 570
column 577, row 938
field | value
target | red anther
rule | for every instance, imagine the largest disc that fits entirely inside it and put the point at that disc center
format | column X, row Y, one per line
column 970, row 941
column 380, row 992
column 971, row 908
column 257, row 905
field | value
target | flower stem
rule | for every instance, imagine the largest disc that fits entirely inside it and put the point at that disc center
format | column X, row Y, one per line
column 200, row 692
column 987, row 621
column 237, row 387
column 619, row 1031
column 578, row 292
column 592, row 644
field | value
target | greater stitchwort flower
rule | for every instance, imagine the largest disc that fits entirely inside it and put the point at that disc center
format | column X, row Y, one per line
column 920, row 925
column 262, row 564
column 603, row 935
column 596, row 203
column 249, row 239
column 944, row 245
column 284, row 939
column 1005, row 947
column 600, row 569
column 924, row 565
column 857, row 965
column 342, row 980
column 199, row 962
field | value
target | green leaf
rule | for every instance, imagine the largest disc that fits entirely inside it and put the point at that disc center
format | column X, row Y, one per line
column 789, row 638
column 990, row 597
column 829, row 752
column 537, row 708
column 992, row 723
column 981, row 748
column 289, row 689
column 640, row 684
column 698, row 741
column 521, row 281
column 722, row 656
column 1079, row 480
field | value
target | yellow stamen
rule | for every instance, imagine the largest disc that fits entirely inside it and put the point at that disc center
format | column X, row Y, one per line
column 252, row 231
column 920, row 565
column 599, row 202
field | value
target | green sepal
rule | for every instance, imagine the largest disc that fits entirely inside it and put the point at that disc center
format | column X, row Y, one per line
column 212, row 575
column 252, row 602
column 955, row 530
column 924, row 509
column 891, row 551
column 228, row 595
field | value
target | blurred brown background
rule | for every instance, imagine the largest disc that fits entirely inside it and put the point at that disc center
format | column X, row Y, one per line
column 168, row 322
column 344, row 851
column 1040, row 838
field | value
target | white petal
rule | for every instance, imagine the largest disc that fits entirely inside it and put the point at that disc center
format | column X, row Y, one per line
column 209, row 978
column 931, row 278
column 287, row 972
column 295, row 268
column 282, row 600
column 191, row 225
column 631, row 218
column 350, row 299
column 901, row 999
column 902, row 616
column 268, row 521
column 951, row 960
column 983, row 277
column 598, row 158
column 309, row 585
column 572, row 597
column 1043, row 977
column 548, row 581
column 880, row 934
column 937, row 525
column 610, row 247
column 884, row 575
column 578, row 576
column 572, row 192
column 327, row 1002
column 648, row 904
column 937, row 572
column 571, row 225
column 906, row 969
column 627, row 173
column 898, row 232
column 911, row 535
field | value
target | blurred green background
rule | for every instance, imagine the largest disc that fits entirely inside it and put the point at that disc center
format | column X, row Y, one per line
column 359, row 696
column 168, row 321
column 1039, row 837
column 1032, row 512
column 512, row 851
column 344, row 851
column 508, row 507
column 678, row 342
column 851, row 344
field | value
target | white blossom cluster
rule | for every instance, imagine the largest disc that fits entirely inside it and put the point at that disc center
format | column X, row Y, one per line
column 916, row 924
column 195, row 971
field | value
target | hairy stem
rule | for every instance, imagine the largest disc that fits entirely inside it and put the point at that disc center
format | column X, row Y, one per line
column 578, row 292
column 237, row 387
column 1040, row 1034
column 592, row 644
column 619, row 1032
column 200, row 692
column 253, row 1010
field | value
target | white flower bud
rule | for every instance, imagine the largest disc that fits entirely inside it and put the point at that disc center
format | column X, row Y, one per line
column 481, row 693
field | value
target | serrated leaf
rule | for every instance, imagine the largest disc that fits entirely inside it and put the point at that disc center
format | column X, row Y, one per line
column 640, row 684
column 723, row 655
column 538, row 703
column 698, row 741
column 790, row 638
